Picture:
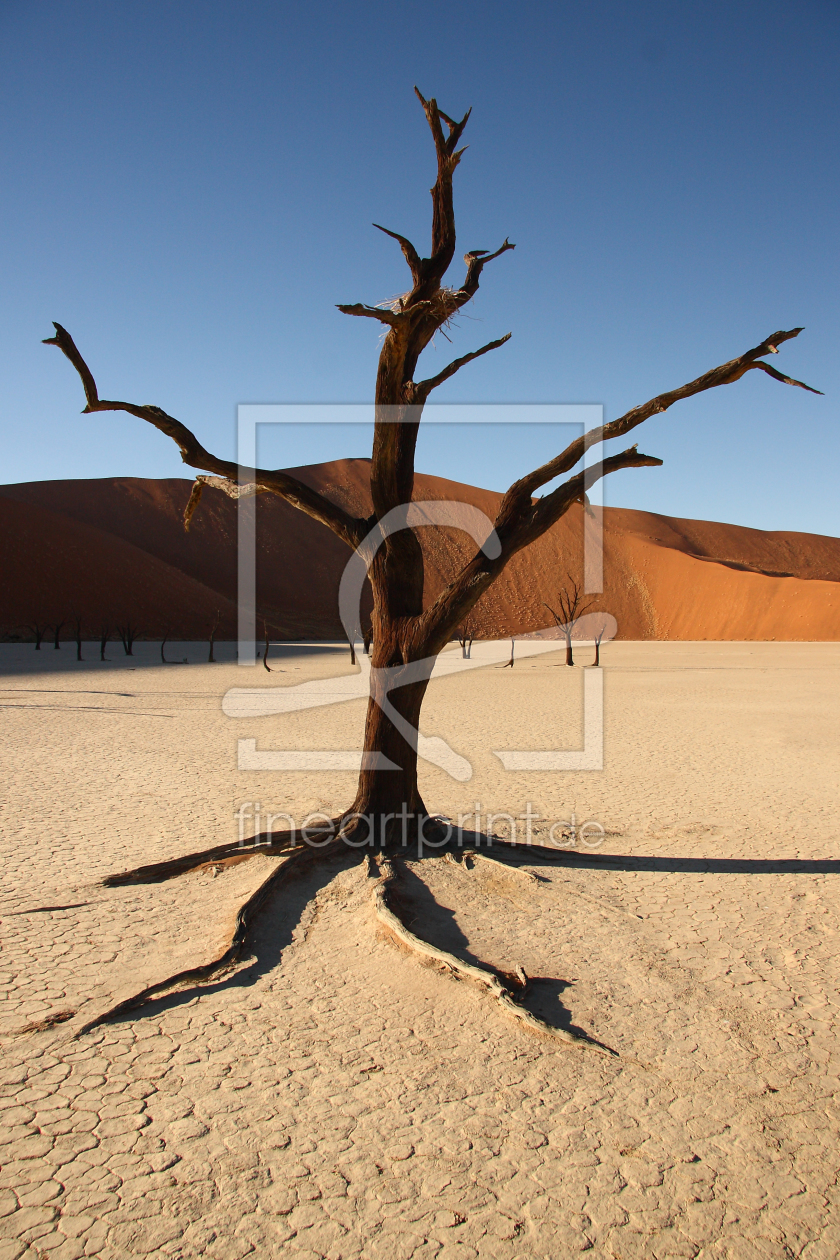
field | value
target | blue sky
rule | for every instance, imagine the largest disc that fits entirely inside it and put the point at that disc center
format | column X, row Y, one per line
column 190, row 189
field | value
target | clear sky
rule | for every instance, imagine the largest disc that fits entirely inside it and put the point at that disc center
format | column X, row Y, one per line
column 189, row 189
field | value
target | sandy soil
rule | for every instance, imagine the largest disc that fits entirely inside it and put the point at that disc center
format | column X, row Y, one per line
column 334, row 1097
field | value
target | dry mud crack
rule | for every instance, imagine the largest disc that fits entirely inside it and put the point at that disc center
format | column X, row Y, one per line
column 332, row 1097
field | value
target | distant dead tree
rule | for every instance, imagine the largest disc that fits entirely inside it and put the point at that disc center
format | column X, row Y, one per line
column 267, row 645
column 367, row 638
column 167, row 633
column 599, row 628
column 571, row 607
column 509, row 664
column 352, row 649
column 78, row 626
column 104, row 636
column 465, row 638
column 39, row 630
column 128, row 633
column 59, row 626
column 408, row 632
column 210, row 657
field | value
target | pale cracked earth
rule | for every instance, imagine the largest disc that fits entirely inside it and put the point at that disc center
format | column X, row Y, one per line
column 335, row 1098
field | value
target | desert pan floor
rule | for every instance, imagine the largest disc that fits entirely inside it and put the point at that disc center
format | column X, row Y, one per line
column 333, row 1097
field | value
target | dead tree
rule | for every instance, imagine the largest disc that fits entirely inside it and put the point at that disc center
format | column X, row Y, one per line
column 509, row 664
column 104, row 636
column 38, row 629
column 465, row 638
column 600, row 630
column 77, row 631
column 210, row 657
column 571, row 607
column 406, row 636
column 59, row 626
column 128, row 633
column 267, row 646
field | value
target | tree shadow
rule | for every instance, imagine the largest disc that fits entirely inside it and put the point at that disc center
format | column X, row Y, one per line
column 679, row 865
column 423, row 914
column 270, row 934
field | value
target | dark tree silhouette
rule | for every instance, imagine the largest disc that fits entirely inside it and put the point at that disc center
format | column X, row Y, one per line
column 59, row 626
column 104, row 636
column 407, row 636
column 78, row 626
column 210, row 657
column 599, row 628
column 570, row 608
column 128, row 633
column 465, row 638
column 38, row 629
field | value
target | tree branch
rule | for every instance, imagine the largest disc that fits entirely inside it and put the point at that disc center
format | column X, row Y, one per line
column 301, row 496
column 394, row 318
column 409, row 253
column 424, row 388
column 462, row 594
column 443, row 218
column 786, row 380
column 519, row 494
column 476, row 260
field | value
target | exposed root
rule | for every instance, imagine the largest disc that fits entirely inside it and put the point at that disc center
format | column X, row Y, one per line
column 382, row 871
column 472, row 856
column 221, row 855
column 41, row 1025
column 289, row 860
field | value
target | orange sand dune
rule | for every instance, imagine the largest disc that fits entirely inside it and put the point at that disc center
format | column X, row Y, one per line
column 115, row 547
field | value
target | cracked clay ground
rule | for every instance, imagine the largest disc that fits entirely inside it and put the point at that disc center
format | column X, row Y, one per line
column 335, row 1098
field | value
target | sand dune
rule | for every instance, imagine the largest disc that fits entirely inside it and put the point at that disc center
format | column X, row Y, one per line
column 116, row 546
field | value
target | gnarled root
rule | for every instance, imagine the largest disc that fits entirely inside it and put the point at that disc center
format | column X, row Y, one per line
column 288, row 861
column 382, row 870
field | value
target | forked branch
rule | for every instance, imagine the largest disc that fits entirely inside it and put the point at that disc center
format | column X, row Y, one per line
column 301, row 496
column 409, row 253
column 424, row 388
column 521, row 491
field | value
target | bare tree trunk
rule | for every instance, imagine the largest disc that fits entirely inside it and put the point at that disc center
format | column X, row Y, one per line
column 39, row 631
column 211, row 658
column 569, row 657
column 389, row 798
column 597, row 660
column 127, row 633
column 163, row 659
column 78, row 632
column 58, row 629
column 103, row 642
